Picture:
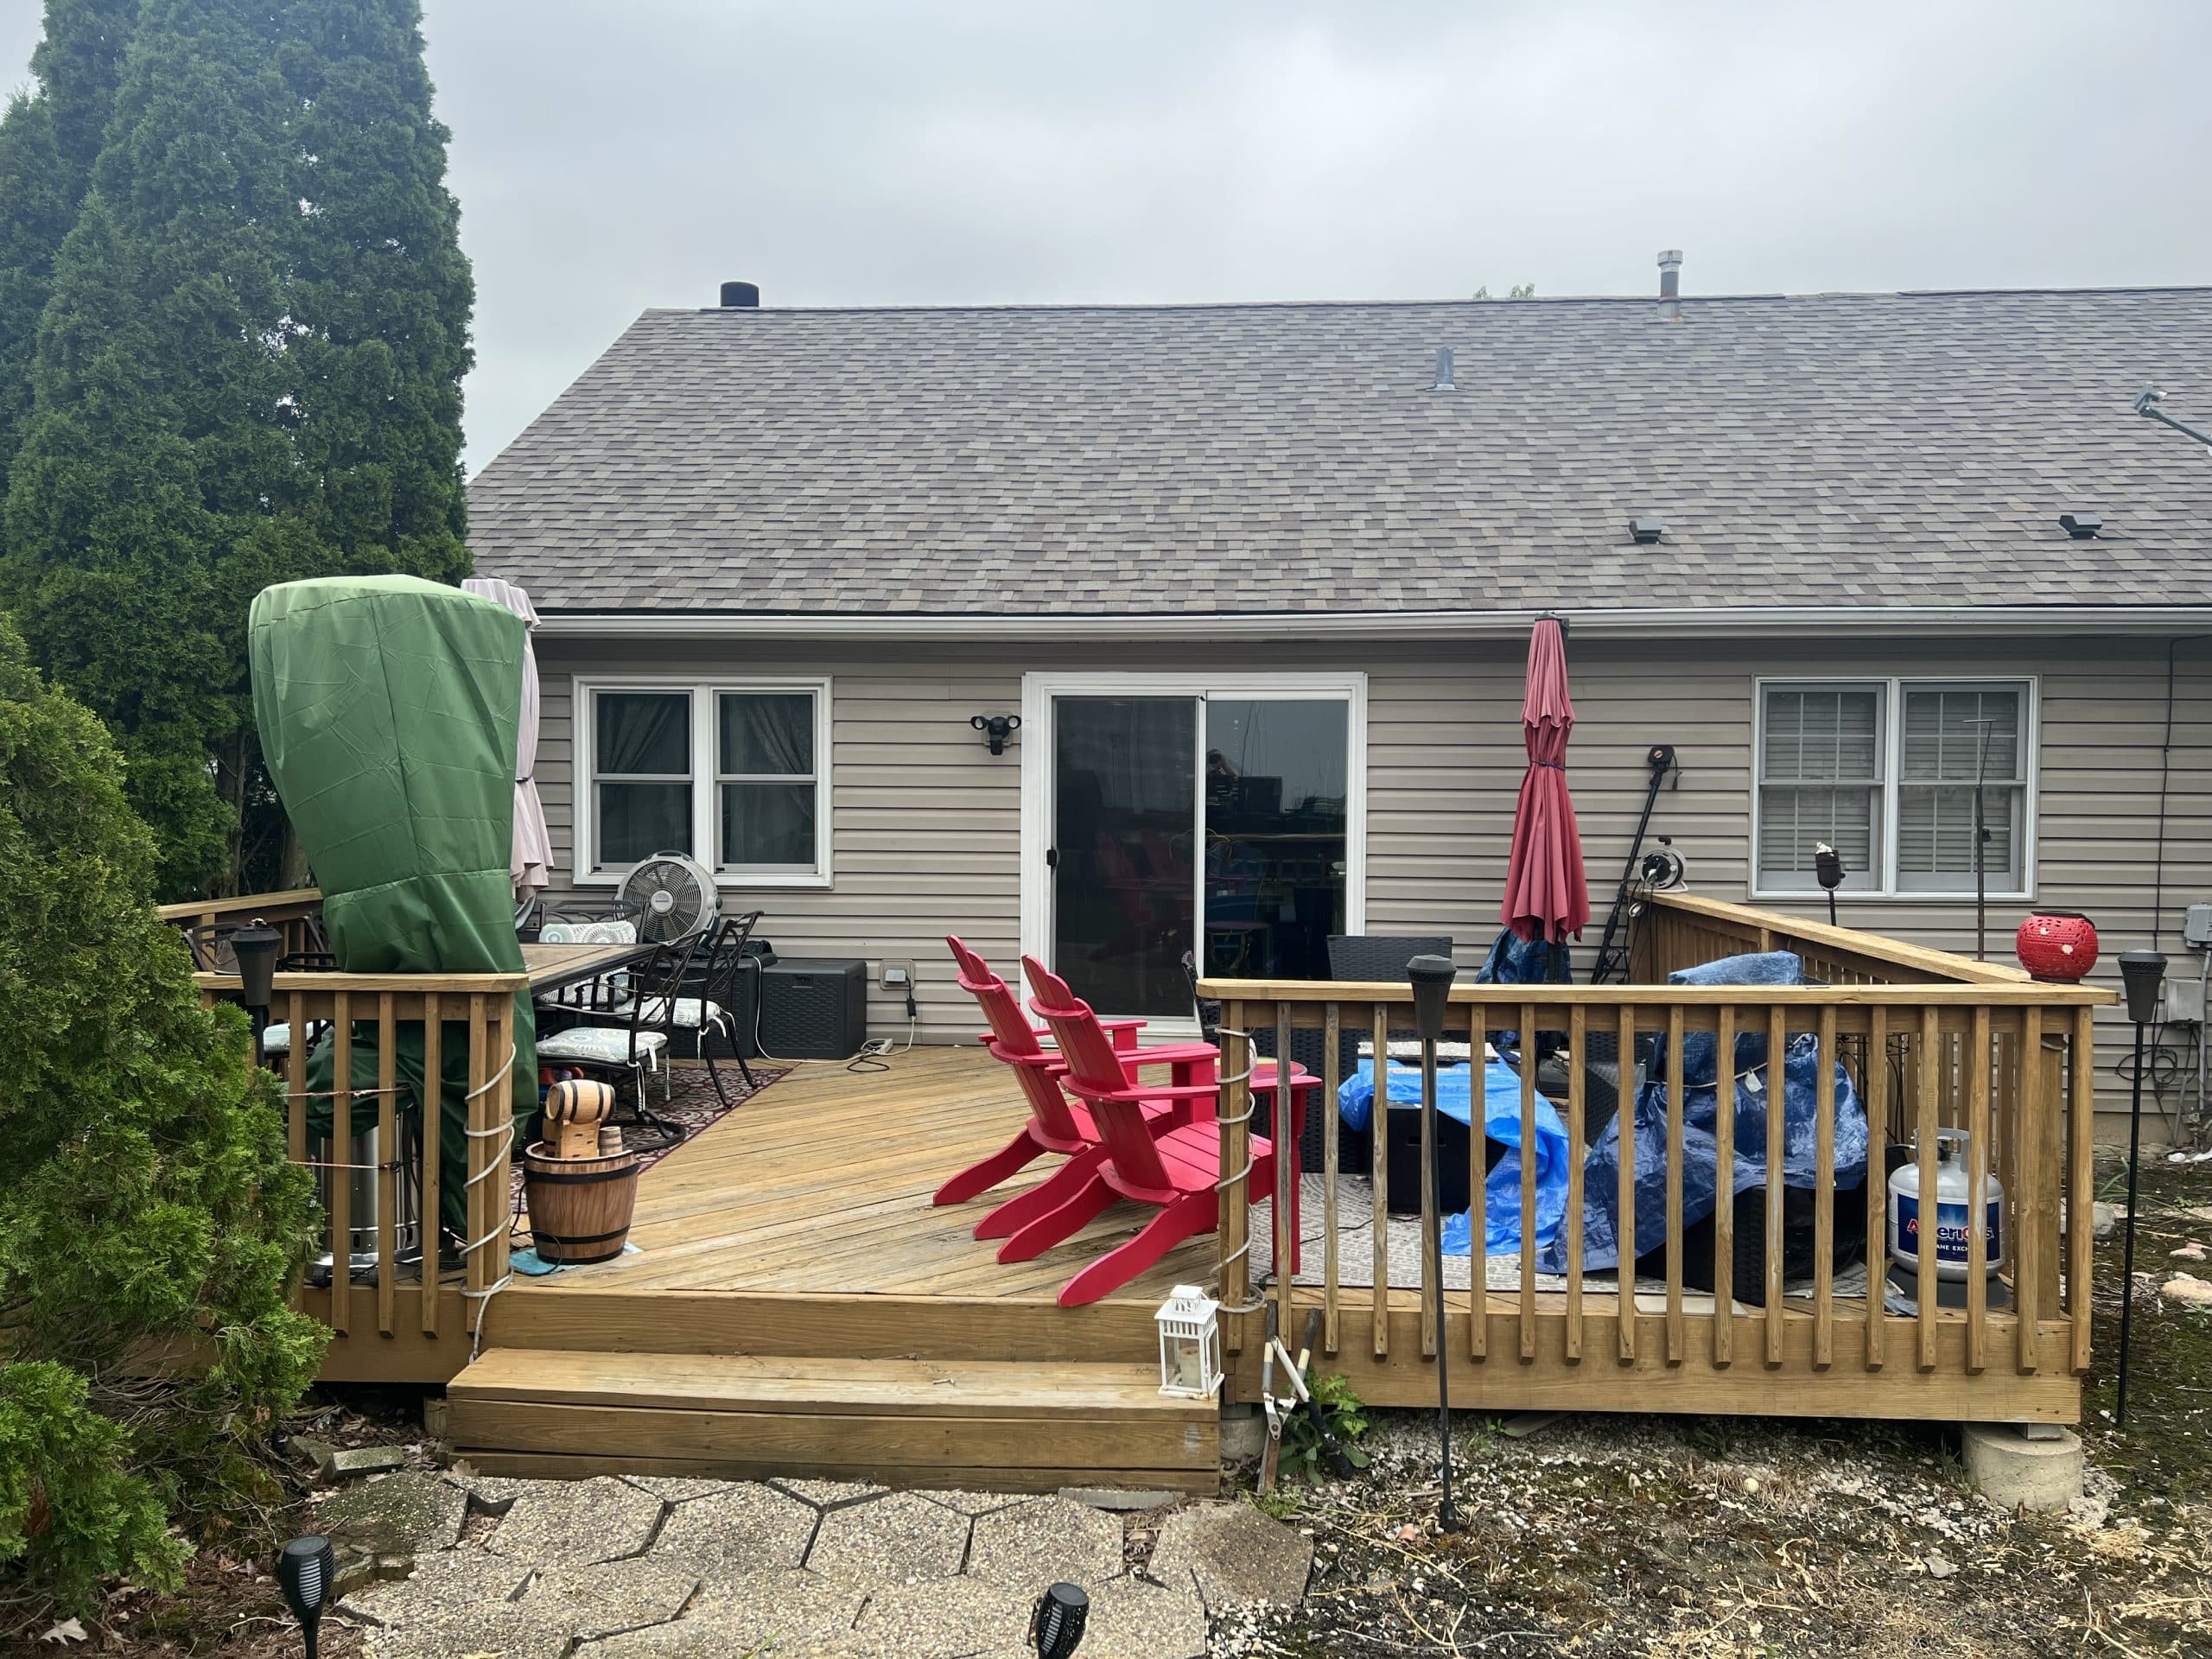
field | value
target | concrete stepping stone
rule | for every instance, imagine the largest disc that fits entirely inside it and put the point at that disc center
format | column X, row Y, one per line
column 947, row 1619
column 1232, row 1552
column 449, row 1588
column 789, row 1614
column 612, row 1597
column 897, row 1540
column 975, row 1503
column 510, row 1632
column 406, row 1514
column 576, row 1523
column 829, row 1494
column 1032, row 1545
column 1131, row 1619
column 745, row 1528
column 676, row 1489
column 493, row 1494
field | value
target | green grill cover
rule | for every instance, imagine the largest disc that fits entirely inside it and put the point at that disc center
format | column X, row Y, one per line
column 388, row 709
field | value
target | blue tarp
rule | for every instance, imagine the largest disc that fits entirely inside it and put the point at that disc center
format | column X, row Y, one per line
column 1800, row 1076
column 1502, row 1124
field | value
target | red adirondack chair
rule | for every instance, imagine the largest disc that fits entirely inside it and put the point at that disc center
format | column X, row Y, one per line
column 1173, row 1170
column 1056, row 1124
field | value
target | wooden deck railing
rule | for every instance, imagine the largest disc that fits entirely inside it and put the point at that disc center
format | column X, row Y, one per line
column 1928, row 1040
column 475, row 1010
column 290, row 912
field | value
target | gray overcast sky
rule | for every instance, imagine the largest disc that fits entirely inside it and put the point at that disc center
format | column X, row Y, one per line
column 612, row 155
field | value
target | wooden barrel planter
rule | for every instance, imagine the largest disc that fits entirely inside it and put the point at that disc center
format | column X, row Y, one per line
column 579, row 1208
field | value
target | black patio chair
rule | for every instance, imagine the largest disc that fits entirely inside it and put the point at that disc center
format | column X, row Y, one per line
column 635, row 1037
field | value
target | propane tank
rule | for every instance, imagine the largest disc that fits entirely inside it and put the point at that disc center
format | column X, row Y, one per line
column 1953, row 1210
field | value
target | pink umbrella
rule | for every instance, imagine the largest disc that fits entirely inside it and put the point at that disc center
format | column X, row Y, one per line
column 531, row 860
column 1546, row 896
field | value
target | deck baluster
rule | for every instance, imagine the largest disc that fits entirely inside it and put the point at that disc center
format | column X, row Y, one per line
column 1578, row 1053
column 1332, row 1333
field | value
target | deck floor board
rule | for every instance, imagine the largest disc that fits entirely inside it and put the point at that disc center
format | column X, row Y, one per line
column 822, row 1182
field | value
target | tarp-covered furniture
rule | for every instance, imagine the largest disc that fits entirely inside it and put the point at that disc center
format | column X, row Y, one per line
column 387, row 709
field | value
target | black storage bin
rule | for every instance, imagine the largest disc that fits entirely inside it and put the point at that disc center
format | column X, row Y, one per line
column 1403, row 1156
column 1700, row 1242
column 813, row 1009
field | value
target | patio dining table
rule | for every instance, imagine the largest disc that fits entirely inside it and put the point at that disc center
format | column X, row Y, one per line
column 554, row 967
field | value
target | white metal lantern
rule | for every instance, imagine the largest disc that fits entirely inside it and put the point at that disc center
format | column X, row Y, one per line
column 1189, row 1342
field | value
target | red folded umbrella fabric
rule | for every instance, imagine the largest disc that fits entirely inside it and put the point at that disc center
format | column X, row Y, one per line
column 1546, row 895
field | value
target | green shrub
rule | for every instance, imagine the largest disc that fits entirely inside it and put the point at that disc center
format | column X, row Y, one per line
column 146, row 1207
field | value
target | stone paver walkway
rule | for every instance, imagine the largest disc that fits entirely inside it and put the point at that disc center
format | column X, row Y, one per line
column 652, row 1568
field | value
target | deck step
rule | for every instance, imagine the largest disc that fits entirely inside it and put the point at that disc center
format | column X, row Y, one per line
column 980, row 1424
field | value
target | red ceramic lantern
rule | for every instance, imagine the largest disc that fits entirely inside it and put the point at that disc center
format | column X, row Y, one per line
column 2057, row 945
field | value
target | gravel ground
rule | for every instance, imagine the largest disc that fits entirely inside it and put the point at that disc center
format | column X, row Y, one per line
column 1709, row 1536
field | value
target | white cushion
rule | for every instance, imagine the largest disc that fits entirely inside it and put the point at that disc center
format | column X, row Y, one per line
column 691, row 1014
column 276, row 1039
column 600, row 1044
column 589, row 933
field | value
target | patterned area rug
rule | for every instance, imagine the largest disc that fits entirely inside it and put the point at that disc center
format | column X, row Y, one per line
column 692, row 1105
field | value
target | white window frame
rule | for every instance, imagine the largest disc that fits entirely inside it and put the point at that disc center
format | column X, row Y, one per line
column 1037, row 691
column 1893, row 688
column 706, row 779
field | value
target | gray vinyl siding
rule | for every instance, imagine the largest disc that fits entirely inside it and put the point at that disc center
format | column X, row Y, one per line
column 925, row 823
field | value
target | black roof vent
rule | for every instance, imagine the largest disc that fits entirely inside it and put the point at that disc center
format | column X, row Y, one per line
column 741, row 296
column 2082, row 526
column 1646, row 531
column 1444, row 381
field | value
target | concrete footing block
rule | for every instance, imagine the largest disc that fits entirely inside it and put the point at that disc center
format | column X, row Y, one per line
column 1243, row 1432
column 2016, row 1472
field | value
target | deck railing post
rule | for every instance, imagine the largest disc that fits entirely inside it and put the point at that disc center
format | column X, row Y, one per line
column 1233, row 1230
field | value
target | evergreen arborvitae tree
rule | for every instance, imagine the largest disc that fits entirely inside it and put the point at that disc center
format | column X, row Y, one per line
column 48, row 141
column 248, row 370
column 380, row 292
column 144, row 1193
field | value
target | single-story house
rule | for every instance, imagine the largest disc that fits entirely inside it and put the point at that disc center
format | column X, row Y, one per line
column 1257, row 580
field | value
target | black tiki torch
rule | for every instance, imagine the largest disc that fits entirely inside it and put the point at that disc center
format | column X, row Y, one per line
column 1432, row 979
column 2141, row 972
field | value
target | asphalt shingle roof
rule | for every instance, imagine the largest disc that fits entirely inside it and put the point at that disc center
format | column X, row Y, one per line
column 1830, row 450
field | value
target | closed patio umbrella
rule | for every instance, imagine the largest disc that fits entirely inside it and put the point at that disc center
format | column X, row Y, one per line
column 1546, row 895
column 531, row 865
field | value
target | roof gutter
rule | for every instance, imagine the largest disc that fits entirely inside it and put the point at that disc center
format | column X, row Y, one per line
column 1767, row 621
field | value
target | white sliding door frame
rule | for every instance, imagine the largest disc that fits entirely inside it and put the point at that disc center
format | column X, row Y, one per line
column 1038, row 742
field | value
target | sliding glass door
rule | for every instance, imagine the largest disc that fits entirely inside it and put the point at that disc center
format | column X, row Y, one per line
column 1180, row 816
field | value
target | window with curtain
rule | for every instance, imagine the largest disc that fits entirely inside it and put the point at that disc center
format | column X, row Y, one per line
column 765, row 781
column 728, row 774
column 641, row 776
column 1884, row 771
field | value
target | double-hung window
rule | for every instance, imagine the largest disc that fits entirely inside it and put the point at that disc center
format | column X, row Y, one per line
column 735, row 775
column 1885, row 772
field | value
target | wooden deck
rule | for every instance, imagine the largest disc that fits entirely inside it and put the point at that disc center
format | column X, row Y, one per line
column 822, row 1183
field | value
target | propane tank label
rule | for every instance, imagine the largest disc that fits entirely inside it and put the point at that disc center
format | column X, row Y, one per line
column 1951, row 1230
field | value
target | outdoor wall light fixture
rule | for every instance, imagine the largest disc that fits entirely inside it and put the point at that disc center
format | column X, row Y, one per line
column 1057, row 1625
column 2082, row 526
column 1646, row 531
column 304, row 1573
column 996, row 729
